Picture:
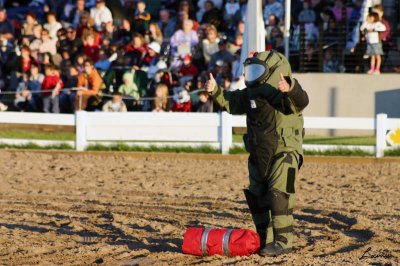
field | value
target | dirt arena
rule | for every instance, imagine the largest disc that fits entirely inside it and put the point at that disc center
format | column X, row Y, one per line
column 132, row 209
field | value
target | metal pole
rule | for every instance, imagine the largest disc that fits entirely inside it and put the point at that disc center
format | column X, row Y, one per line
column 287, row 27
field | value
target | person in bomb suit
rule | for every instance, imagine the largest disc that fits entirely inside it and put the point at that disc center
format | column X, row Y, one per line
column 273, row 102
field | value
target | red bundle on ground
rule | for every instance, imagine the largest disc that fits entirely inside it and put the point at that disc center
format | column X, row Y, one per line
column 229, row 242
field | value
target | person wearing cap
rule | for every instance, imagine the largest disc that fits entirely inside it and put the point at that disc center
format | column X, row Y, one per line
column 222, row 55
column 187, row 68
column 151, row 57
column 100, row 14
column 273, row 102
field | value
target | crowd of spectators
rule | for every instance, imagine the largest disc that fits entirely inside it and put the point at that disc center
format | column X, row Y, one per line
column 63, row 56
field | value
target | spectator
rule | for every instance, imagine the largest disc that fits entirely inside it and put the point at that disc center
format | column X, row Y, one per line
column 141, row 20
column 105, row 60
column 385, row 36
column 337, row 10
column 210, row 44
column 75, row 14
column 51, row 86
column 34, row 86
column 52, row 25
column 152, row 56
column 371, row 28
column 184, row 15
column 74, row 45
column 166, row 24
column 307, row 15
column 115, row 105
column 6, row 28
column 100, row 14
column 205, row 104
column 201, row 7
column 36, row 41
column 22, row 95
column 188, row 69
column 90, row 48
column 48, row 45
column 129, row 88
column 330, row 64
column 161, row 101
column 154, row 34
column 232, row 14
column 135, row 51
column 89, row 84
column 183, row 41
column 234, row 46
column 29, row 25
column 273, row 8
column 182, row 101
column 67, row 97
column 222, row 55
column 212, row 15
column 125, row 32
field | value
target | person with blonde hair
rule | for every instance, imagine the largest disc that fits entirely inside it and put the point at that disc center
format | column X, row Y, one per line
column 161, row 101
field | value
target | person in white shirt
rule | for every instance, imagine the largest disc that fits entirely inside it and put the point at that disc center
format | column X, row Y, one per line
column 371, row 27
column 100, row 14
column 52, row 25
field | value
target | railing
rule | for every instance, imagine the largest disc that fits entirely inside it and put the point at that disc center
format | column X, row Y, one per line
column 184, row 129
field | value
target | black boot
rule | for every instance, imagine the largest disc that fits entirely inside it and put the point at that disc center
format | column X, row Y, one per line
column 274, row 249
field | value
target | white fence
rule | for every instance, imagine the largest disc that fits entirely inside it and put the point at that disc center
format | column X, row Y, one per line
column 183, row 129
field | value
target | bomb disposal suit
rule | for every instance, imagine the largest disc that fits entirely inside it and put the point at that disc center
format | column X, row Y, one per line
column 274, row 140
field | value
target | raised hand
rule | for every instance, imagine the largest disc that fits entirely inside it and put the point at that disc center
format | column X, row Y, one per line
column 283, row 85
column 210, row 84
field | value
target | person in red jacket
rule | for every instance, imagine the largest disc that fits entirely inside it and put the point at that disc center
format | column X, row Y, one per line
column 188, row 69
column 91, row 49
column 51, row 86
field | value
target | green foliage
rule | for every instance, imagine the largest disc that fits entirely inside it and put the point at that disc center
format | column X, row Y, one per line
column 395, row 152
column 36, row 134
column 339, row 152
column 34, row 146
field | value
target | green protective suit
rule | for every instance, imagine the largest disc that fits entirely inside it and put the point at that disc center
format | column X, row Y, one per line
column 274, row 140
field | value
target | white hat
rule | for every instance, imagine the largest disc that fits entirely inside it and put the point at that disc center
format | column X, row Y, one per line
column 155, row 47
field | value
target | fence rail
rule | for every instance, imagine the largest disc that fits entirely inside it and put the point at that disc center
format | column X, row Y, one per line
column 183, row 129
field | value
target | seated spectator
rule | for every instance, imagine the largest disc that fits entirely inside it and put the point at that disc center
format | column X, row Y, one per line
column 154, row 34
column 90, row 48
column 222, row 55
column 184, row 15
column 234, row 46
column 51, row 86
column 210, row 43
column 183, row 41
column 67, row 96
column 141, row 19
column 6, row 28
column 74, row 45
column 108, row 34
column 124, row 33
column 337, row 10
column 205, row 104
column 80, row 62
column 273, row 8
column 188, row 69
column 330, row 64
column 73, row 17
column 105, row 60
column 161, row 101
column 212, row 15
column 48, row 45
column 201, row 8
column 115, row 105
column 89, row 84
column 166, row 24
column 182, row 101
column 100, row 14
column 36, row 41
column 29, row 25
column 232, row 14
column 152, row 56
column 52, row 25
column 129, row 88
column 135, row 51
column 307, row 15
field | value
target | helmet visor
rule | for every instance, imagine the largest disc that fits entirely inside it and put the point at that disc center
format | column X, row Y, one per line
column 253, row 72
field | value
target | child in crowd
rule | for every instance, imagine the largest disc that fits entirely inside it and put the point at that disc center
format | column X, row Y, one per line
column 205, row 104
column 161, row 101
column 67, row 97
column 372, row 27
column 115, row 105
column 50, row 90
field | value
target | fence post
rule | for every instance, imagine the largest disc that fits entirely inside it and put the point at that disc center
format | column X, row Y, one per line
column 226, row 132
column 80, row 129
column 381, row 129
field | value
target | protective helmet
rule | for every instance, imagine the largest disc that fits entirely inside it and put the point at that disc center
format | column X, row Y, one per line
column 259, row 68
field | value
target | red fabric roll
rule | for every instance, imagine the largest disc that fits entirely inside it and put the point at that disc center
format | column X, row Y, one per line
column 238, row 242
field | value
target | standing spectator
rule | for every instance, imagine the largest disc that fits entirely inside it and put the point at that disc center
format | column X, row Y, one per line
column 34, row 86
column 183, row 41
column 222, row 55
column 161, row 101
column 210, row 43
column 6, row 28
column 115, row 105
column 52, row 25
column 167, row 25
column 307, row 15
column 372, row 27
column 100, row 14
column 273, row 8
column 51, row 86
column 141, row 20
column 67, row 97
column 89, row 84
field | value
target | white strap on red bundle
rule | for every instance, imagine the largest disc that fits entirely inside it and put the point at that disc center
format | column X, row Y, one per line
column 204, row 238
column 225, row 242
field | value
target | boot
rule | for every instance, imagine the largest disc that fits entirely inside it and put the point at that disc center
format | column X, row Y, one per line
column 274, row 249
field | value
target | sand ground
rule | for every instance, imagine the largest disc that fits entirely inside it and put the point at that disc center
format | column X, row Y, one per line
column 132, row 209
